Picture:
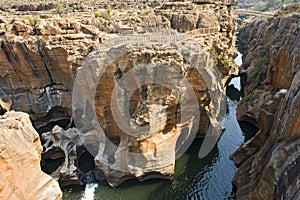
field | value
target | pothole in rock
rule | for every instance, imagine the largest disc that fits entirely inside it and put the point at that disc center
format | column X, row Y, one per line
column 86, row 166
column 52, row 160
column 85, row 160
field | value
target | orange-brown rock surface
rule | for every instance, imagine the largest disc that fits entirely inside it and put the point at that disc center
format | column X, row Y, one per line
column 20, row 153
column 269, row 162
column 42, row 54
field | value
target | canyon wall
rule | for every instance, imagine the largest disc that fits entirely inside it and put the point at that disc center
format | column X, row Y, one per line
column 43, row 54
column 20, row 154
column 269, row 162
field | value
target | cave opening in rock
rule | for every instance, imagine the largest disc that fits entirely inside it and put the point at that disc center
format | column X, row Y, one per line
column 52, row 160
column 85, row 160
column 48, row 127
column 248, row 129
column 2, row 110
column 56, row 116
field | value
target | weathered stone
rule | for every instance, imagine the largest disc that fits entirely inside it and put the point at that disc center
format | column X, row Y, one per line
column 20, row 151
column 183, row 23
column 21, row 28
column 40, row 68
column 60, row 143
column 269, row 162
column 207, row 20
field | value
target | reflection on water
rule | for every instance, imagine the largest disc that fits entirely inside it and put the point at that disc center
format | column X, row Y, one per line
column 233, row 93
column 207, row 178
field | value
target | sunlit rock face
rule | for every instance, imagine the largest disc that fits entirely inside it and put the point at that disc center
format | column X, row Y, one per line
column 41, row 61
column 269, row 162
column 20, row 153
column 163, row 110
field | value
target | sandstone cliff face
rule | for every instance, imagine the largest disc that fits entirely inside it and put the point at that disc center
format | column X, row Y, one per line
column 20, row 153
column 42, row 55
column 269, row 162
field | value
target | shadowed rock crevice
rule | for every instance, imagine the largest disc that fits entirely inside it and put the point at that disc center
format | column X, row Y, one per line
column 56, row 116
column 51, row 162
column 85, row 160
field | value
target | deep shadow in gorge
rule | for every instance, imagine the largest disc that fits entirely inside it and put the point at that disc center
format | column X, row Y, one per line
column 55, row 116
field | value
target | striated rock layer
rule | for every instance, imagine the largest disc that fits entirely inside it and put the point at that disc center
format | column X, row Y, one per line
column 269, row 162
column 41, row 56
column 20, row 153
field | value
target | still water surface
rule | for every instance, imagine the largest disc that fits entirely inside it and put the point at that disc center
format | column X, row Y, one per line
column 207, row 178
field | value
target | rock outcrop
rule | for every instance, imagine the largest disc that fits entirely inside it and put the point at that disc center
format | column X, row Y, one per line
column 63, row 144
column 269, row 162
column 20, row 153
column 42, row 55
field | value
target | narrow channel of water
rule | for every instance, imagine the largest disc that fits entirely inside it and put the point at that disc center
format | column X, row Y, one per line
column 207, row 178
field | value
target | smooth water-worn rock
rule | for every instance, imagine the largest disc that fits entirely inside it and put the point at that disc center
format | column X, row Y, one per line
column 20, row 154
column 269, row 162
column 41, row 55
column 64, row 144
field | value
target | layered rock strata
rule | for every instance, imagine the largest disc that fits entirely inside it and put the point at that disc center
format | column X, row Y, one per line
column 269, row 162
column 41, row 55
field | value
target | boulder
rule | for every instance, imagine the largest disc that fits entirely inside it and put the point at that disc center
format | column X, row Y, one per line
column 20, row 154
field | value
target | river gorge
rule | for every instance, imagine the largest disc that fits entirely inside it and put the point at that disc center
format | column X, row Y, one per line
column 149, row 100
column 195, row 178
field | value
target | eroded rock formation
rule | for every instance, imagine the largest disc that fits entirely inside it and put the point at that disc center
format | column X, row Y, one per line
column 20, row 154
column 269, row 162
column 42, row 56
column 158, row 113
column 63, row 144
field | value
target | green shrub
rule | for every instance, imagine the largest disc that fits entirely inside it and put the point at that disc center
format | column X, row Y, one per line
column 259, row 61
column 58, row 7
column 105, row 15
column 227, row 63
column 31, row 20
column 79, row 7
column 56, row 4
column 97, row 13
column 271, row 25
column 149, row 11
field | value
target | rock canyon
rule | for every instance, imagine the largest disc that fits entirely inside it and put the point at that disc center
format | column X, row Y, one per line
column 269, row 162
column 119, row 90
column 42, row 55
